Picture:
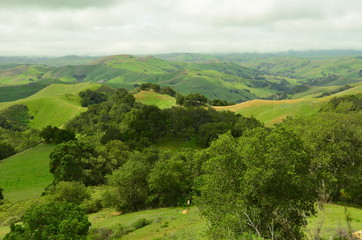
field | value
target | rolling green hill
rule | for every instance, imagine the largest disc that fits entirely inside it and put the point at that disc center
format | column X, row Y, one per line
column 54, row 105
column 22, row 74
column 232, row 77
column 221, row 80
column 26, row 174
column 271, row 112
column 153, row 98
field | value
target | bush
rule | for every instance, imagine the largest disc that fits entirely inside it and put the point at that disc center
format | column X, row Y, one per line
column 71, row 192
column 6, row 150
column 58, row 220
column 100, row 234
column 140, row 223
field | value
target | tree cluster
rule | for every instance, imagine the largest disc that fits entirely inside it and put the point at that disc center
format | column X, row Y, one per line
column 157, row 88
column 90, row 97
column 52, row 134
column 15, row 118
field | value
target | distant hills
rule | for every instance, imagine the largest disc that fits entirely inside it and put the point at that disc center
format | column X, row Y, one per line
column 232, row 77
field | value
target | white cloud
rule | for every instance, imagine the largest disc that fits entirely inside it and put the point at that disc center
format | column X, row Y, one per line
column 43, row 27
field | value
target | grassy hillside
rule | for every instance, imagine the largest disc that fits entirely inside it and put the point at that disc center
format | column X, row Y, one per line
column 167, row 223
column 26, row 174
column 170, row 223
column 191, row 225
column 214, row 79
column 22, row 74
column 153, row 98
column 325, row 71
column 271, row 112
column 55, row 104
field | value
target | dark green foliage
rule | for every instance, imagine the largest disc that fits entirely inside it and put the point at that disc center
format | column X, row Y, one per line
column 193, row 99
column 210, row 131
column 71, row 192
column 140, row 223
column 63, row 221
column 148, row 122
column 259, row 182
column 20, row 141
column 90, row 97
column 335, row 142
column 83, row 162
column 168, row 91
column 146, row 86
column 219, row 102
column 6, row 150
column 1, row 194
column 111, row 134
column 344, row 104
column 155, row 87
column 67, row 161
column 15, row 117
column 180, row 99
column 169, row 181
column 130, row 182
column 52, row 134
column 122, row 96
column 341, row 89
column 99, row 117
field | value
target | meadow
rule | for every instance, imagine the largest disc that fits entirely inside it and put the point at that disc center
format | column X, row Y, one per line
column 26, row 174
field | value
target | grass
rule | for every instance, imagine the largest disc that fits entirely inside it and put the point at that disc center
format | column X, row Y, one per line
column 191, row 226
column 167, row 223
column 271, row 112
column 170, row 223
column 55, row 104
column 175, row 144
column 26, row 174
column 22, row 74
column 335, row 220
column 12, row 93
column 153, row 98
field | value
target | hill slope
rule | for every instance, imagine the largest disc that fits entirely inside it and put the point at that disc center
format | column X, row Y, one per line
column 271, row 112
column 55, row 104
column 214, row 79
column 26, row 174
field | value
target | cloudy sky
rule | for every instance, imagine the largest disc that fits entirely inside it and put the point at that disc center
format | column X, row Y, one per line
column 105, row 27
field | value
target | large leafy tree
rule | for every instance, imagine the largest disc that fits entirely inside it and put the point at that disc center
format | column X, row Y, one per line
column 68, row 161
column 55, row 220
column 129, row 182
column 335, row 143
column 259, row 184
column 170, row 180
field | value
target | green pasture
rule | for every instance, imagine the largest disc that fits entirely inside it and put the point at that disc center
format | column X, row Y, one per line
column 153, row 98
column 26, row 174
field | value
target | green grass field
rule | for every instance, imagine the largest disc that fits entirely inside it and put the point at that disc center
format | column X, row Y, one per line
column 191, row 226
column 54, row 105
column 170, row 223
column 153, row 98
column 175, row 144
column 271, row 112
column 167, row 223
column 333, row 220
column 26, row 174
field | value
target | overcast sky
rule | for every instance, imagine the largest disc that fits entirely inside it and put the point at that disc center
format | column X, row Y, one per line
column 106, row 27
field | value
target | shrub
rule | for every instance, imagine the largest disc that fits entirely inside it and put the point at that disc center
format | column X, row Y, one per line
column 140, row 223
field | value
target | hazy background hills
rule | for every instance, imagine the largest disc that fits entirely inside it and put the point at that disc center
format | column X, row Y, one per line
column 233, row 77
